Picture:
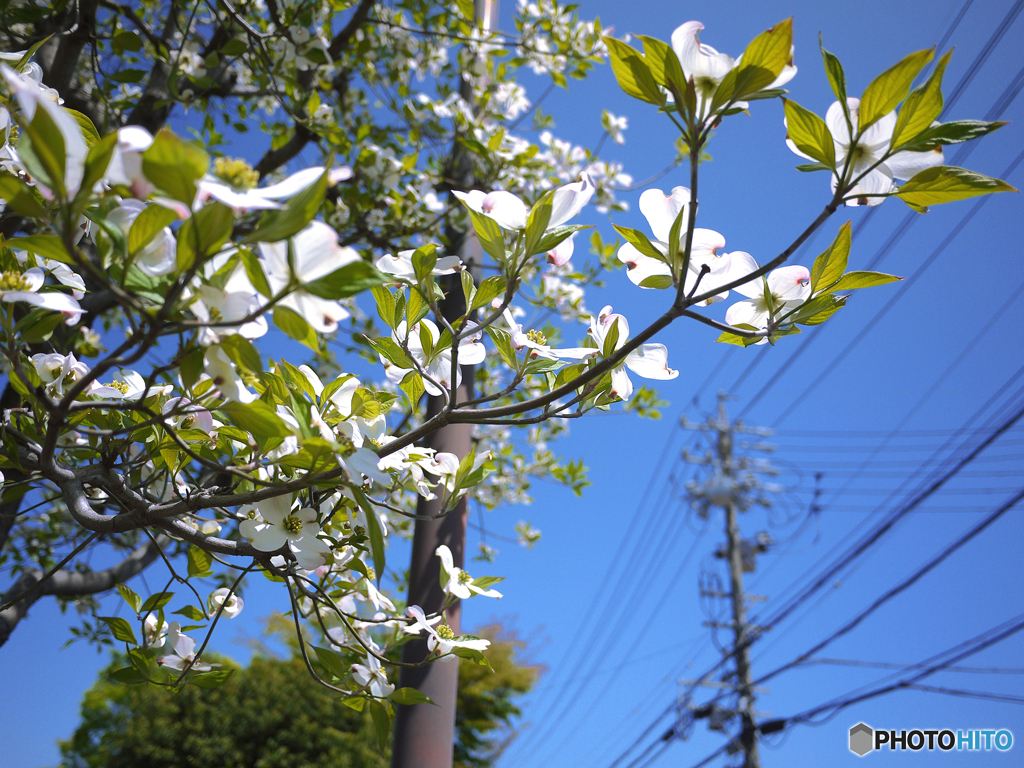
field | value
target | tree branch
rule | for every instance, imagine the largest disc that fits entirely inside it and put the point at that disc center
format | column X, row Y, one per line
column 33, row 585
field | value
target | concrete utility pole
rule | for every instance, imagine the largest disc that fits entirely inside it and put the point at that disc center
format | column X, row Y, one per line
column 731, row 485
column 425, row 735
column 748, row 734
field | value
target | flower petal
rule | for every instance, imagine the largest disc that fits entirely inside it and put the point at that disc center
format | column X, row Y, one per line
column 651, row 362
column 661, row 210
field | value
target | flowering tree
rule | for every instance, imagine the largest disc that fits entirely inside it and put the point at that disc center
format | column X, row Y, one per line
column 143, row 414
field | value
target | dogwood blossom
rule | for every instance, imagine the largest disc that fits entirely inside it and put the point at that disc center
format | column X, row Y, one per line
column 661, row 211
column 510, row 212
column 24, row 286
column 537, row 342
column 56, row 370
column 873, row 171
column 457, row 582
column 227, row 602
column 442, row 639
column 435, row 365
column 272, row 522
column 647, row 360
column 707, row 67
column 783, row 289
column 373, row 677
column 159, row 256
column 233, row 182
column 401, row 265
column 315, row 253
column 182, row 653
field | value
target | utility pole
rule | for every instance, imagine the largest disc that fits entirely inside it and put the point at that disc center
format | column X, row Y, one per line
column 748, row 734
column 424, row 734
column 732, row 485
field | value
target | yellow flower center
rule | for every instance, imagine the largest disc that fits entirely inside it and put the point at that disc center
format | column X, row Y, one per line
column 236, row 172
column 464, row 578
column 445, row 632
column 292, row 524
column 14, row 281
column 537, row 338
column 120, row 386
column 371, row 574
column 347, row 447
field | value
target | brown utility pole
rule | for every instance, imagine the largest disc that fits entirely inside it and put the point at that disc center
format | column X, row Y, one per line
column 425, row 734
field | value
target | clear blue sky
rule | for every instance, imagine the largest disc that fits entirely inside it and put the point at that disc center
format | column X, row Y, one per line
column 615, row 655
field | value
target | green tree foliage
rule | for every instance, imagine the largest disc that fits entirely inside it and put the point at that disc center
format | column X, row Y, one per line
column 272, row 714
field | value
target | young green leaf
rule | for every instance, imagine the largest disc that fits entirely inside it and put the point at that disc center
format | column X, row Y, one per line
column 810, row 134
column 946, row 183
column 890, row 88
column 831, row 264
column 922, row 106
column 632, row 72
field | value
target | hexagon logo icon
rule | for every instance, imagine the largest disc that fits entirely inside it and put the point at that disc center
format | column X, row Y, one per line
column 861, row 739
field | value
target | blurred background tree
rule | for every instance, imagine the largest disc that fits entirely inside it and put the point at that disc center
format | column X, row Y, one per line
column 273, row 714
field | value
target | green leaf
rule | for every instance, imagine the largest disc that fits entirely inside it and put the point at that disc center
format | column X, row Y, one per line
column 175, row 165
column 156, row 602
column 349, row 280
column 810, row 167
column 946, row 183
column 242, row 353
column 853, row 280
column 130, row 596
column 468, row 289
column 330, row 661
column 537, row 223
column 503, row 343
column 385, row 301
column 412, row 386
column 415, row 308
column 489, row 289
column 89, row 132
column 809, row 133
column 96, row 163
column 21, row 197
column 215, row 678
column 191, row 613
column 664, row 66
column 120, row 629
column 393, row 353
column 126, row 41
column 38, row 325
column 554, row 237
column 836, row 78
column 632, row 72
column 375, row 532
column 203, row 233
column 740, row 341
column 922, row 106
column 191, row 367
column 298, row 211
column 471, row 654
column 489, row 234
column 296, row 326
column 43, row 151
column 950, row 133
column 199, row 562
column 639, row 240
column 466, row 9
column 254, row 271
column 409, row 696
column 381, row 724
column 128, row 676
column 45, row 246
column 831, row 264
column 148, row 225
column 761, row 63
column 890, row 88
column 257, row 418
column 424, row 259
column 128, row 75
column 660, row 282
column 818, row 310
column 611, row 340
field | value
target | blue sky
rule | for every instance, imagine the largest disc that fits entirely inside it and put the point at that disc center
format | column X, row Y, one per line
column 608, row 599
